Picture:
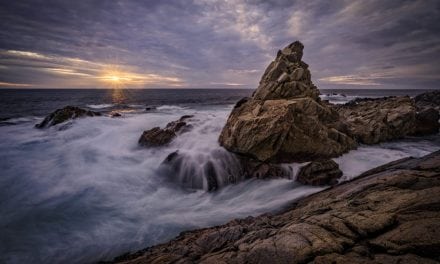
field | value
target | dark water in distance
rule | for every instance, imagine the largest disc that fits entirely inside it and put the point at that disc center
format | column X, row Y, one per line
column 39, row 102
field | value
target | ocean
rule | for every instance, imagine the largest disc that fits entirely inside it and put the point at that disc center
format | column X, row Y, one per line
column 85, row 191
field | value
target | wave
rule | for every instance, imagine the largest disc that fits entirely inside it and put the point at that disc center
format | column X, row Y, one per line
column 171, row 107
column 19, row 120
column 337, row 98
column 99, row 106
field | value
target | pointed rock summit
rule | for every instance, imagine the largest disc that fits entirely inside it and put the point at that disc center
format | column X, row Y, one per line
column 287, row 76
column 285, row 120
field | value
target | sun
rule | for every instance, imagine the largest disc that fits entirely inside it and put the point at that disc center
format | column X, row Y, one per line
column 115, row 78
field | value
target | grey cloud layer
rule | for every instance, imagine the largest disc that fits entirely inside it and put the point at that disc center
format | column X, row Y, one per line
column 386, row 44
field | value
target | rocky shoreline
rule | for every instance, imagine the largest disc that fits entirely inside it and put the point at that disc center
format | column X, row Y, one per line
column 387, row 215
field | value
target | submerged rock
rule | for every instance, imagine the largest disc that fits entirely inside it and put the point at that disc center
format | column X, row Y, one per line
column 65, row 114
column 285, row 121
column 323, row 172
column 157, row 136
column 115, row 114
column 387, row 215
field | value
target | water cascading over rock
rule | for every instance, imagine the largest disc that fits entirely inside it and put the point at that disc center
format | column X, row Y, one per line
column 285, row 120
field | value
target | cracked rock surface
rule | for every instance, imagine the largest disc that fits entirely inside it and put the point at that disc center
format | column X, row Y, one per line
column 387, row 215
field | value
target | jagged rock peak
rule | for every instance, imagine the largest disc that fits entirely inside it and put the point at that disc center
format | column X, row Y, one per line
column 287, row 77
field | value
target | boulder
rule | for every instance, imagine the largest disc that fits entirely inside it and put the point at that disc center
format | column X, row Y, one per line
column 65, row 114
column 428, row 100
column 371, row 121
column 427, row 122
column 390, row 215
column 323, row 172
column 282, row 131
column 285, row 121
column 157, row 136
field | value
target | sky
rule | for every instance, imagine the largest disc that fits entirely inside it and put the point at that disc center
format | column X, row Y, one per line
column 216, row 44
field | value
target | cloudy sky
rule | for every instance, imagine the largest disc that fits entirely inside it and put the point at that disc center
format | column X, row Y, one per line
column 216, row 44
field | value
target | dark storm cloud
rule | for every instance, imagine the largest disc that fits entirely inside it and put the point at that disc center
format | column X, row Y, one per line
column 386, row 44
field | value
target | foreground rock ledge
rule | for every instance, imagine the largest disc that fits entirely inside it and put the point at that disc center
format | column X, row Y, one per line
column 387, row 215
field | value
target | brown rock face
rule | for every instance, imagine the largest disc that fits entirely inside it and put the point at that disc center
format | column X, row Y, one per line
column 371, row 121
column 387, row 215
column 323, row 172
column 287, row 76
column 285, row 121
column 65, row 114
column 156, row 136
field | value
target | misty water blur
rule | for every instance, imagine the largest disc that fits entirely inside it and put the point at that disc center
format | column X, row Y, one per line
column 85, row 191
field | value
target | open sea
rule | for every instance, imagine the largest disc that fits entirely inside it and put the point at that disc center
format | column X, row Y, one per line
column 85, row 191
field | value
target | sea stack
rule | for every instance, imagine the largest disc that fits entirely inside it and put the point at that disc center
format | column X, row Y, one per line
column 285, row 120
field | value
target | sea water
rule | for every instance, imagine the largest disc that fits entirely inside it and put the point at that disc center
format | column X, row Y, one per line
column 85, row 191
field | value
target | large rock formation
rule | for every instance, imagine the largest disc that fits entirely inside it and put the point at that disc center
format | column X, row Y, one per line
column 285, row 121
column 371, row 121
column 387, row 215
column 374, row 120
column 65, row 114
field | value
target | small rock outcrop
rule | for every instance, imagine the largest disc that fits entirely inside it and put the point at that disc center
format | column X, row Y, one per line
column 371, row 121
column 65, row 114
column 217, row 169
column 157, row 136
column 285, row 120
column 387, row 215
column 317, row 173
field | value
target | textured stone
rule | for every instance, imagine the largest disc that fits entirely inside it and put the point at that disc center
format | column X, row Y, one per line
column 157, row 136
column 65, row 114
column 371, row 121
column 323, row 172
column 285, row 131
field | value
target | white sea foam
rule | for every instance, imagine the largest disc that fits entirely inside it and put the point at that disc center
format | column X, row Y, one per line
column 99, row 106
column 171, row 107
column 89, row 192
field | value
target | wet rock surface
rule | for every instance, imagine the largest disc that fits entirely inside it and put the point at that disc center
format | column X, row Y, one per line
column 388, row 215
column 428, row 100
column 64, row 114
column 322, row 172
column 157, row 136
column 218, row 170
column 371, row 121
